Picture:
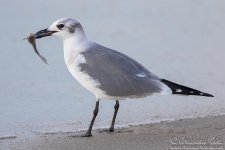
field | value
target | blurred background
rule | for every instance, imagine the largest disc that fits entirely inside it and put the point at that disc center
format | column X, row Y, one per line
column 180, row 40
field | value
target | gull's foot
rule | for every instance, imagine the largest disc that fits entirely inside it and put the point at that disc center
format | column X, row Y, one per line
column 88, row 134
column 111, row 129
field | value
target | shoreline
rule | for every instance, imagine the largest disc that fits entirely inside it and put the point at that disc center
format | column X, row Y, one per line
column 153, row 136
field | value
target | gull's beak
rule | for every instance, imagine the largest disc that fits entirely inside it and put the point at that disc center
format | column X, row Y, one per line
column 43, row 33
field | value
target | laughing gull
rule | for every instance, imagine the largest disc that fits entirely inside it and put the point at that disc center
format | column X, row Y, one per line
column 107, row 73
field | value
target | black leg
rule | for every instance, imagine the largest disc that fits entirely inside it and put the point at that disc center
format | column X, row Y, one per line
column 116, row 107
column 95, row 113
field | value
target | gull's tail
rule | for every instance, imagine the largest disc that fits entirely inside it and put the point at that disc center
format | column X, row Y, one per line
column 183, row 90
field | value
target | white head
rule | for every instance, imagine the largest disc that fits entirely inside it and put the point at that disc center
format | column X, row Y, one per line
column 63, row 28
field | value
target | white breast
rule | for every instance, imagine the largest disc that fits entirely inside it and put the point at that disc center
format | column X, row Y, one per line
column 73, row 58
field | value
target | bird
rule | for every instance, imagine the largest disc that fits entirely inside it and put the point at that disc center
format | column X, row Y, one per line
column 107, row 73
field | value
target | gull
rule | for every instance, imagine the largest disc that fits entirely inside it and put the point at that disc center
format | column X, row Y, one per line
column 108, row 74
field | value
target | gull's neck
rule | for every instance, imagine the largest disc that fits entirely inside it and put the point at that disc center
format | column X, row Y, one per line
column 76, row 43
column 73, row 46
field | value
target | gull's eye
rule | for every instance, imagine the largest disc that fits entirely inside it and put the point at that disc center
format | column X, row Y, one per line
column 60, row 26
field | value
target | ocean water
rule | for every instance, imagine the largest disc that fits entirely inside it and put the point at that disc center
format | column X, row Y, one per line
column 182, row 41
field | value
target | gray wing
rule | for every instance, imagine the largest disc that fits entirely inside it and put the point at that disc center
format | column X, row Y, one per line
column 118, row 74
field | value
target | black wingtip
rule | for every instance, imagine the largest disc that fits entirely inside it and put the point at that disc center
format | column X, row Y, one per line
column 183, row 90
column 207, row 95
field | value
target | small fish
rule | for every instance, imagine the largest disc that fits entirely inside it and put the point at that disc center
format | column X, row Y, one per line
column 31, row 39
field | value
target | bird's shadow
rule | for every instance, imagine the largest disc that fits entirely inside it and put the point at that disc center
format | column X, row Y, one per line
column 106, row 131
column 102, row 131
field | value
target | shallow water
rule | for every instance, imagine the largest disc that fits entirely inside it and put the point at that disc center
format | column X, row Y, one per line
column 182, row 41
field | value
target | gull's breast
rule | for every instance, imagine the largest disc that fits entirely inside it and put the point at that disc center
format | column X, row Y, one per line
column 73, row 64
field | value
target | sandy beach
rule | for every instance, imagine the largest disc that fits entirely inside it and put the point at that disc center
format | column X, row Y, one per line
column 201, row 133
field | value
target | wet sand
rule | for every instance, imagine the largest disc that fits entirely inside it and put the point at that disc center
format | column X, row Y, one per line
column 205, row 133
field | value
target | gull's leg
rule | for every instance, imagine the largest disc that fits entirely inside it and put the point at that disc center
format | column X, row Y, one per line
column 95, row 113
column 116, row 107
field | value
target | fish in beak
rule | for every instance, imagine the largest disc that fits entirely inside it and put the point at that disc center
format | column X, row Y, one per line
column 40, row 34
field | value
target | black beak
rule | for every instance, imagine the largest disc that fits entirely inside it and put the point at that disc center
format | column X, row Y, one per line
column 43, row 33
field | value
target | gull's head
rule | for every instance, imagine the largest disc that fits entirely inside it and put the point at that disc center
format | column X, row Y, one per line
column 63, row 28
